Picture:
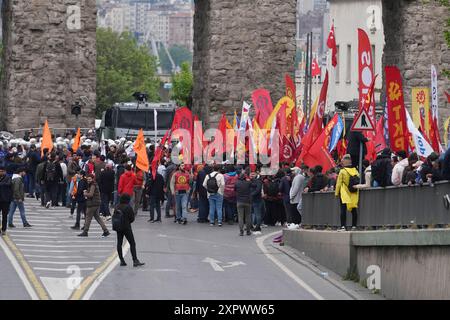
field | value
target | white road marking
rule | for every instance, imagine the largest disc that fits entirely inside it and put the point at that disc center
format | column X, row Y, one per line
column 214, row 264
column 56, row 246
column 56, row 257
column 58, row 288
column 61, row 251
column 104, row 274
column 19, row 270
column 63, row 270
column 32, row 231
column 64, row 262
column 17, row 237
column 293, row 276
column 63, row 241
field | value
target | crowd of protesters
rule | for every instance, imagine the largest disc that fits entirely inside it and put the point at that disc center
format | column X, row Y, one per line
column 92, row 180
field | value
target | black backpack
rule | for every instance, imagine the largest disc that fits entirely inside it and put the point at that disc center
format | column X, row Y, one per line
column 118, row 220
column 211, row 185
column 50, row 172
column 353, row 181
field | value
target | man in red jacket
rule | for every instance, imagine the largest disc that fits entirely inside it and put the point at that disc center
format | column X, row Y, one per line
column 126, row 183
column 138, row 188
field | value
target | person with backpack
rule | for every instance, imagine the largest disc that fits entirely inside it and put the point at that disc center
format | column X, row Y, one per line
column 275, row 213
column 215, row 185
column 92, row 195
column 348, row 195
column 180, row 185
column 229, row 194
column 122, row 219
column 202, row 194
column 53, row 175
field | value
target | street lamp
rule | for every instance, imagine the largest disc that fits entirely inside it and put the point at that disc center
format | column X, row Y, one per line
column 76, row 109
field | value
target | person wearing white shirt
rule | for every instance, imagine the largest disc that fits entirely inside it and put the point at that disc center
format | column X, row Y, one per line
column 215, row 194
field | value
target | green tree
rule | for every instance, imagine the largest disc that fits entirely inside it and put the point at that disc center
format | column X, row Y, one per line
column 446, row 31
column 180, row 54
column 182, row 83
column 123, row 67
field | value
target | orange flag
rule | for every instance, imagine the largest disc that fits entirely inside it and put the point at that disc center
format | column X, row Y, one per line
column 76, row 141
column 47, row 142
column 141, row 152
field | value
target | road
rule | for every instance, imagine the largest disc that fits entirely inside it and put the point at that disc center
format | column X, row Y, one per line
column 193, row 261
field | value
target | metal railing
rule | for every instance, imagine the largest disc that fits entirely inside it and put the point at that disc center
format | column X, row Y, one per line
column 404, row 206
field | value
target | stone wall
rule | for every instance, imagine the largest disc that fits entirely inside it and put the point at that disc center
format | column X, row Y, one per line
column 49, row 63
column 240, row 46
column 414, row 35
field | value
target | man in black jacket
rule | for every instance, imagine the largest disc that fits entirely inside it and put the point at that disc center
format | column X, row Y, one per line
column 155, row 191
column 53, row 175
column 244, row 203
column 203, row 204
column 382, row 169
column 257, row 201
column 5, row 197
column 355, row 138
column 105, row 183
column 126, row 231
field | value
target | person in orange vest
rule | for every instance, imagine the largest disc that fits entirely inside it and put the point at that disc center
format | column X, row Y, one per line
column 180, row 186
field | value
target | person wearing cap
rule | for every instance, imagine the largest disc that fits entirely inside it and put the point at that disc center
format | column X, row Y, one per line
column 92, row 195
column 18, row 199
column 348, row 200
column 6, row 196
column 295, row 195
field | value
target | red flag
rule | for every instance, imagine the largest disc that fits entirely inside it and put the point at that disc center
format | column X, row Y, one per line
column 366, row 75
column 318, row 153
column 434, row 134
column 290, row 88
column 263, row 105
column 331, row 43
column 380, row 141
column 183, row 120
column 398, row 129
column 448, row 96
column 287, row 152
column 222, row 127
column 315, row 69
column 342, row 148
column 158, row 153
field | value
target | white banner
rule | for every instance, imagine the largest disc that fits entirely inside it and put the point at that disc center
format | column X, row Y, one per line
column 434, row 94
column 241, row 133
column 423, row 148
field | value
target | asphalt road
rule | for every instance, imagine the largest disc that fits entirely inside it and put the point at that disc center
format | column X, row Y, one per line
column 193, row 261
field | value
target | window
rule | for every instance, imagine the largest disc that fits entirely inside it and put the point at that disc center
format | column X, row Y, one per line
column 338, row 64
column 348, row 76
column 137, row 119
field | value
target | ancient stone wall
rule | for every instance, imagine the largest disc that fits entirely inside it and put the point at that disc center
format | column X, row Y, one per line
column 49, row 63
column 414, row 35
column 240, row 45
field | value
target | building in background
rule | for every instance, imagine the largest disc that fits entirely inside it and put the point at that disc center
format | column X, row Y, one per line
column 367, row 15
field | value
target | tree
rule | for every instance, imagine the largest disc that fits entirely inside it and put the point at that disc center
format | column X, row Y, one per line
column 180, row 54
column 182, row 83
column 123, row 67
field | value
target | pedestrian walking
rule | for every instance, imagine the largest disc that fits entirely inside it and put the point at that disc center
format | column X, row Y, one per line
column 244, row 201
column 203, row 204
column 6, row 196
column 126, row 183
column 123, row 217
column 154, row 188
column 106, row 186
column 215, row 185
column 78, row 188
column 348, row 196
column 92, row 195
column 52, row 177
column 18, row 190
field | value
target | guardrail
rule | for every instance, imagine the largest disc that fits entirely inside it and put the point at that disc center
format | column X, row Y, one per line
column 403, row 206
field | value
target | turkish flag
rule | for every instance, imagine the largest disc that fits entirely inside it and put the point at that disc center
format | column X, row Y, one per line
column 315, row 69
column 331, row 43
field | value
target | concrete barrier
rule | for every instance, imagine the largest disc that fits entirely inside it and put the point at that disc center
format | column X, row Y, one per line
column 391, row 206
column 414, row 264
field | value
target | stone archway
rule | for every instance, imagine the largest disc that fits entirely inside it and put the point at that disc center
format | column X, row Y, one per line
column 49, row 60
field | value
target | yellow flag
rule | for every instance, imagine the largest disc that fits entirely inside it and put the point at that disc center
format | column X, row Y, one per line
column 290, row 104
column 420, row 108
column 313, row 110
column 47, row 142
column 446, row 132
column 141, row 152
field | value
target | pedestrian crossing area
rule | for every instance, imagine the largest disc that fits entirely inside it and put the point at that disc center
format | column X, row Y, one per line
column 55, row 260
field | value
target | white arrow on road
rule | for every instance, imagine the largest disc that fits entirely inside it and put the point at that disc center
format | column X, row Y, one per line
column 234, row 264
column 215, row 264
